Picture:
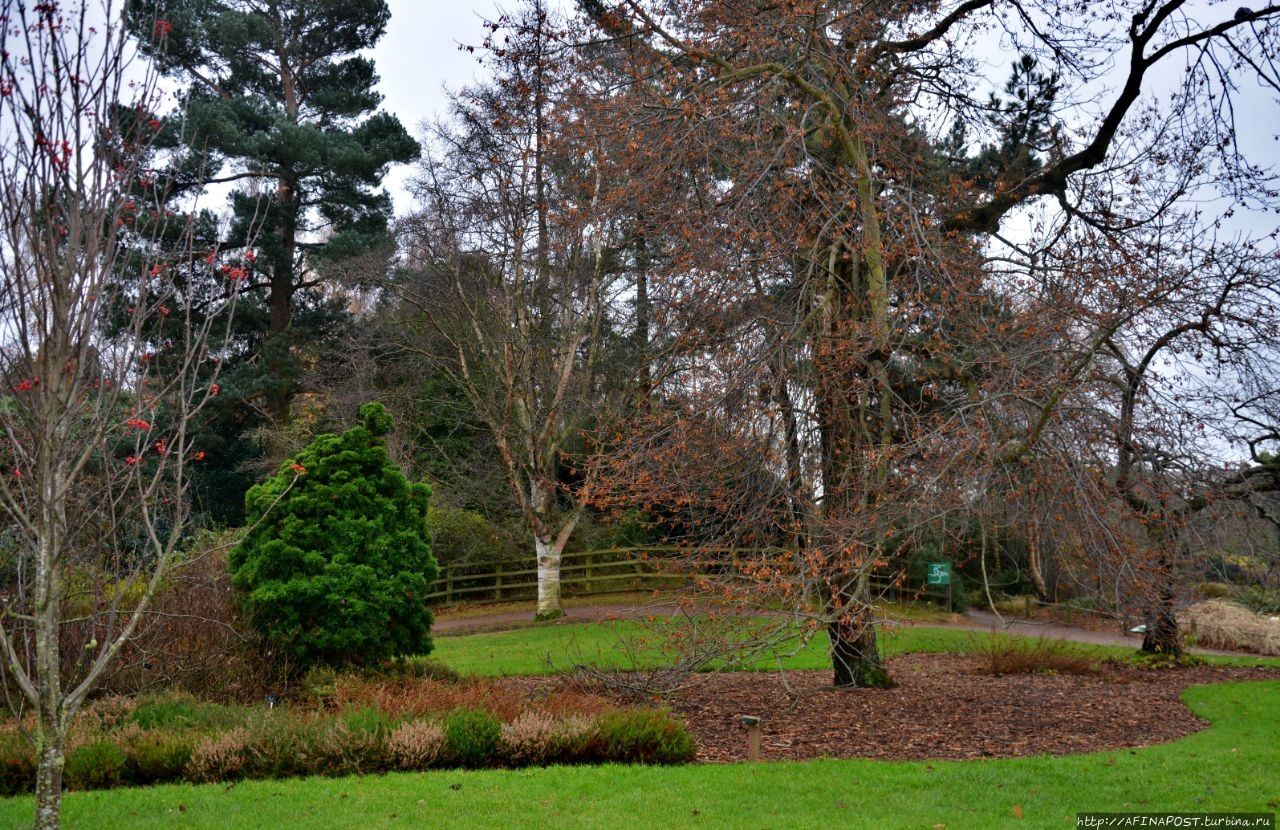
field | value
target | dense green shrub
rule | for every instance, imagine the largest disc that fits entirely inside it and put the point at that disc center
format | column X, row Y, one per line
column 424, row 668
column 645, row 736
column 338, row 563
column 17, row 763
column 1259, row 599
column 181, row 710
column 95, row 766
column 368, row 720
column 473, row 738
column 157, row 757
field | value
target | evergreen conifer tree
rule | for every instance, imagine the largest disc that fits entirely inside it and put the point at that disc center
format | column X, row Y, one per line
column 283, row 107
column 338, row 564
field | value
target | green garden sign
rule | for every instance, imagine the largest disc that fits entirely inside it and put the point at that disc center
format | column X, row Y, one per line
column 939, row 573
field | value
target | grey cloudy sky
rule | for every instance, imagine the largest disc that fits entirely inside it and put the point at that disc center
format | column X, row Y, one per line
column 419, row 56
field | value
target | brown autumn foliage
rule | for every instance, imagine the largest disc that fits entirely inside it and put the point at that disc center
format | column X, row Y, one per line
column 907, row 296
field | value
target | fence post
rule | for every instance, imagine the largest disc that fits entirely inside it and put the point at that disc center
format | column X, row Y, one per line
column 497, row 581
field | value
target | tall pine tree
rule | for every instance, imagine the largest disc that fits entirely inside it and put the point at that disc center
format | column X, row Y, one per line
column 284, row 109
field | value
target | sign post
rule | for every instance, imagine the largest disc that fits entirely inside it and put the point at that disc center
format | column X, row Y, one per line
column 940, row 574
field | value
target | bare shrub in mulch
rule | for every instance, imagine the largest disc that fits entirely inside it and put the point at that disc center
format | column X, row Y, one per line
column 943, row 706
column 1015, row 655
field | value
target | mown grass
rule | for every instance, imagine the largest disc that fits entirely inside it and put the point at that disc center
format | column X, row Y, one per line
column 637, row 644
column 1229, row 767
column 472, row 610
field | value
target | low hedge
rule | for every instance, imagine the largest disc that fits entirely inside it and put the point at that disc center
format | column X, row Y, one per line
column 194, row 743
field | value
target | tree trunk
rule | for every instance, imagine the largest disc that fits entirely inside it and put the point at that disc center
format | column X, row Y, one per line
column 549, row 604
column 1034, row 562
column 849, row 425
column 50, row 762
column 1162, row 635
column 855, row 652
column 48, row 697
column 643, row 313
column 279, row 388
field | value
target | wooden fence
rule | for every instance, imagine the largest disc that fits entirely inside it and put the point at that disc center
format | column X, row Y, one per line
column 584, row 573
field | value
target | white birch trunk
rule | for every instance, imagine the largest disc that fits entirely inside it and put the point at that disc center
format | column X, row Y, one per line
column 549, row 556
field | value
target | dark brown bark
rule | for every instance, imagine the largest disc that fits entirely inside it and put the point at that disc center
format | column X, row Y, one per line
column 640, row 339
column 847, row 423
column 855, row 652
column 279, row 395
column 1162, row 635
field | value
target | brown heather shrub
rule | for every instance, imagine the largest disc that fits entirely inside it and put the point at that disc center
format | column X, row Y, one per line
column 537, row 738
column 219, row 757
column 566, row 700
column 404, row 697
column 84, row 732
column 408, row 697
column 416, row 744
column 104, row 714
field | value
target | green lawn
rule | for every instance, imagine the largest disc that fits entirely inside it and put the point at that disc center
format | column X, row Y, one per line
column 1228, row 767
column 628, row 644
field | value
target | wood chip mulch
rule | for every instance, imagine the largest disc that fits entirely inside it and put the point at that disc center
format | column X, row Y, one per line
column 941, row 708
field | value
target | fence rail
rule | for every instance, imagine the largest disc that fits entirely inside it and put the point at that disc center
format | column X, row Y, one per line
column 585, row 573
column 582, row 573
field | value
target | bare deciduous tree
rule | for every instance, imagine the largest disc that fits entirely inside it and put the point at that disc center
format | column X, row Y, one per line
column 507, row 269
column 843, row 193
column 95, row 446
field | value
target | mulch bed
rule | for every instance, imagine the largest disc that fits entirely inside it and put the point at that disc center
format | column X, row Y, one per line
column 941, row 708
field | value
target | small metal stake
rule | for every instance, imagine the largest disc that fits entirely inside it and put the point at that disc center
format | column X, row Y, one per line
column 753, row 736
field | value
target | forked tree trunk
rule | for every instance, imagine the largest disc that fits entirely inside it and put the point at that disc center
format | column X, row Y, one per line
column 549, row 547
column 1035, row 561
column 549, row 556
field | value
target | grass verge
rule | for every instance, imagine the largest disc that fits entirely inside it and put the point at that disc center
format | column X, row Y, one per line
column 1227, row 768
column 636, row 644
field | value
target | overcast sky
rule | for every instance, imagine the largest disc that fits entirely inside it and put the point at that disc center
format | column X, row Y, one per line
column 419, row 56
